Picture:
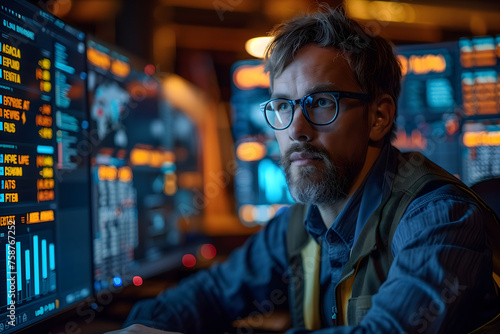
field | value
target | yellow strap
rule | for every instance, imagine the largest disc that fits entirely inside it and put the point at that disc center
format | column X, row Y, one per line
column 346, row 293
column 343, row 296
column 311, row 255
column 492, row 326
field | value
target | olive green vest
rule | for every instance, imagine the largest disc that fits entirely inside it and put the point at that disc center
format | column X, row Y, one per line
column 371, row 256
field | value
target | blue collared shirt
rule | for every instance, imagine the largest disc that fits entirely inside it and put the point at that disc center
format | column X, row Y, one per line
column 338, row 240
column 439, row 281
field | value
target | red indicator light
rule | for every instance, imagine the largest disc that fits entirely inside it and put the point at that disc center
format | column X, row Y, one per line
column 137, row 280
column 149, row 69
column 188, row 260
column 208, row 251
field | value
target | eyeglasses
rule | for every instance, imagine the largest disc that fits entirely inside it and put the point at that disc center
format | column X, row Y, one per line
column 319, row 108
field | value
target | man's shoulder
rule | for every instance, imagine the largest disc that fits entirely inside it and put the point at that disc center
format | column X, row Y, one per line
column 429, row 181
column 435, row 183
column 415, row 164
column 424, row 191
column 416, row 174
column 450, row 192
column 445, row 210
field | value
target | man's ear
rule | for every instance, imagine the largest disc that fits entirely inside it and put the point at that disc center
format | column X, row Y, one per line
column 382, row 117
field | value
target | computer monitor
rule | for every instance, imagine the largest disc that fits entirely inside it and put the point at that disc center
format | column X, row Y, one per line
column 260, row 185
column 46, row 262
column 449, row 107
column 133, row 168
column 189, row 166
column 428, row 120
column 479, row 87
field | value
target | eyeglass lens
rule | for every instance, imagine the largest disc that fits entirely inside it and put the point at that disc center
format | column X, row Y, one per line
column 320, row 108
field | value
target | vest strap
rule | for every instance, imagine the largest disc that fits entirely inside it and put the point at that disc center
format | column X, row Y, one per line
column 311, row 262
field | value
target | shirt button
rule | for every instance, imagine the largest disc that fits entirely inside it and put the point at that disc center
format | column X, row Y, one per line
column 336, row 264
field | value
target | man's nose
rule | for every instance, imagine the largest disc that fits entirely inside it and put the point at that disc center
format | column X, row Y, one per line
column 300, row 129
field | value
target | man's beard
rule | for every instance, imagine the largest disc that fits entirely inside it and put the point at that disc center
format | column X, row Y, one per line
column 313, row 184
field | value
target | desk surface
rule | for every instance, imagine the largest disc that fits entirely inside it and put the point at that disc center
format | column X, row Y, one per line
column 112, row 311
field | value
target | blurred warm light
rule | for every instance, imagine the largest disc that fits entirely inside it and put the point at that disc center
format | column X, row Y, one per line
column 185, row 96
column 478, row 25
column 208, row 251
column 413, row 141
column 150, row 157
column 251, row 151
column 169, row 184
column 125, row 174
column 422, row 64
column 246, row 213
column 98, row 58
column 190, row 180
column 164, row 41
column 280, row 10
column 248, row 77
column 188, row 260
column 107, row 173
column 95, row 10
column 381, row 10
column 149, row 69
column 452, row 126
column 222, row 6
column 378, row 14
column 60, row 8
column 137, row 280
column 120, row 68
column 257, row 46
column 481, row 138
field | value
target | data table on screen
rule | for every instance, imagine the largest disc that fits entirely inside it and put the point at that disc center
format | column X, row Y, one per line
column 44, row 180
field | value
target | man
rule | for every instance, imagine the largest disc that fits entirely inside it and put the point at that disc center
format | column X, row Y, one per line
column 382, row 243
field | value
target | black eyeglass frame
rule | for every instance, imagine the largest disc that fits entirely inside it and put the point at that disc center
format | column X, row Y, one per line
column 337, row 95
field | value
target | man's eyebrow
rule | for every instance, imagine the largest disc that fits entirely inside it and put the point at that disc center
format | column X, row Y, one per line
column 323, row 87
column 278, row 95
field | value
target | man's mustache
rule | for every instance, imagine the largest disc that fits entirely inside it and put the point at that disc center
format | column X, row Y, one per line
column 318, row 152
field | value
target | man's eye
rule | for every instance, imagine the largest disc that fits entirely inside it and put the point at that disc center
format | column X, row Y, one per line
column 283, row 107
column 324, row 103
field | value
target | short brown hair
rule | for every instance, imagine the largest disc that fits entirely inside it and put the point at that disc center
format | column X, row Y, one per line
column 371, row 58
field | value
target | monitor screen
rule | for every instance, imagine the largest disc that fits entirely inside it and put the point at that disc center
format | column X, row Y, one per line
column 427, row 119
column 133, row 171
column 260, row 185
column 189, row 165
column 478, row 84
column 449, row 107
column 45, row 264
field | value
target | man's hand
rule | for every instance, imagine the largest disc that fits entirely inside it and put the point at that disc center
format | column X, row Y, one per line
column 139, row 329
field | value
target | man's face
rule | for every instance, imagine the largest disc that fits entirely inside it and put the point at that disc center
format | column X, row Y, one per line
column 322, row 163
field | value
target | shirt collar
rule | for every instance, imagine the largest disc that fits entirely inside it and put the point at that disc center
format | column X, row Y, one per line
column 378, row 179
column 361, row 205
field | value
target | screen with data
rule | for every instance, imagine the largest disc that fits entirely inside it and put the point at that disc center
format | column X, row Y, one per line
column 45, row 261
column 450, row 105
column 428, row 118
column 260, row 185
column 133, row 169
column 480, row 88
